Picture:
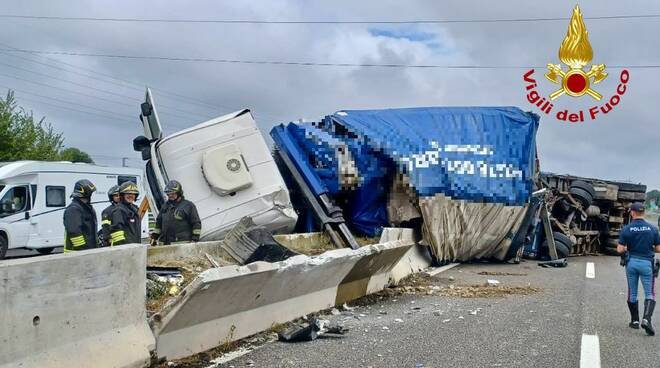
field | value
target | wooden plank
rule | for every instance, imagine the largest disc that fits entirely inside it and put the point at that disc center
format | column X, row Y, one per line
column 615, row 220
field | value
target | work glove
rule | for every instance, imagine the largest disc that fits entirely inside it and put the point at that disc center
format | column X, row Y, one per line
column 153, row 242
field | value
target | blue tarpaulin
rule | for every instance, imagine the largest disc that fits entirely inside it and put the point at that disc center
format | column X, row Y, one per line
column 479, row 154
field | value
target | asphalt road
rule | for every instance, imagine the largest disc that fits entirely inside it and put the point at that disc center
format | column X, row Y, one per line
column 543, row 329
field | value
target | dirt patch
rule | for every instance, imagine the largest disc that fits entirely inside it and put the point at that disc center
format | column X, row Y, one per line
column 498, row 273
column 486, row 291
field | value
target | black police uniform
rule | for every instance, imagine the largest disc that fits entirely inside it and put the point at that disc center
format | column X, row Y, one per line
column 79, row 226
column 125, row 227
column 178, row 221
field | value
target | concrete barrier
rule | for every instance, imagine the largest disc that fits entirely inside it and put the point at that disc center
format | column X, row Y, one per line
column 228, row 303
column 416, row 259
column 81, row 309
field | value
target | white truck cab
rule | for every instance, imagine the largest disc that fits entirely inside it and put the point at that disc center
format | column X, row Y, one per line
column 34, row 194
column 225, row 167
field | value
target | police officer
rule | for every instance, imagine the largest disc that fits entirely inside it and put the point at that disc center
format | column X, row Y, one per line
column 640, row 240
column 106, row 215
column 178, row 220
column 124, row 218
column 80, row 219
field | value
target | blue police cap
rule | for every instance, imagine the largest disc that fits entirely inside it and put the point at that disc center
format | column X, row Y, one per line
column 637, row 207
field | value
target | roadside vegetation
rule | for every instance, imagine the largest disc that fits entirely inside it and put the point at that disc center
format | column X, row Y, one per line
column 22, row 137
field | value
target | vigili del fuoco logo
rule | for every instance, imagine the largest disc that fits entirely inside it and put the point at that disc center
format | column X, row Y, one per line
column 575, row 53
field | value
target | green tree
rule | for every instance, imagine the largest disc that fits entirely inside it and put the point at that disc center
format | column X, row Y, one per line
column 24, row 138
column 75, row 155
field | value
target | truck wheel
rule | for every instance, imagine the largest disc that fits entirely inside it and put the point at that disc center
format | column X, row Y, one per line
column 3, row 246
column 584, row 186
column 585, row 198
column 45, row 250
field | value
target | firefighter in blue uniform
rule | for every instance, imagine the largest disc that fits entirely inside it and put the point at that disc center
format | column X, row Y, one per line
column 638, row 243
column 80, row 219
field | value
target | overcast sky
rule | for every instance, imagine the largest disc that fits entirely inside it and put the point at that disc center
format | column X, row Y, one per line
column 622, row 145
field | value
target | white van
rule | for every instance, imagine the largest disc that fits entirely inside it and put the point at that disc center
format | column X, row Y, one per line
column 225, row 167
column 34, row 194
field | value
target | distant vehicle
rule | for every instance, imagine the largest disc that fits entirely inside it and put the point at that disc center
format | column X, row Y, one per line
column 224, row 166
column 34, row 194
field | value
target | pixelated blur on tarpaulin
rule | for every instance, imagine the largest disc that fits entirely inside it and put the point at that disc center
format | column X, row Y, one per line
column 475, row 154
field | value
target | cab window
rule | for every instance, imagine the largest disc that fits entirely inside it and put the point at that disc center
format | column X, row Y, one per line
column 14, row 201
column 121, row 179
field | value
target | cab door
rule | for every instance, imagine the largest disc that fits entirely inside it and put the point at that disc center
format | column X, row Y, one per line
column 15, row 206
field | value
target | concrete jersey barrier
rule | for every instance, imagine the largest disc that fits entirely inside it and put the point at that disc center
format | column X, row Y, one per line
column 228, row 303
column 83, row 309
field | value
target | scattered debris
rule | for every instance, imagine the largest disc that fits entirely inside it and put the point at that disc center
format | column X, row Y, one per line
column 492, row 282
column 437, row 313
column 498, row 273
column 347, row 308
column 559, row 263
column 385, row 328
column 247, row 242
column 446, row 320
column 335, row 312
column 398, row 320
column 308, row 331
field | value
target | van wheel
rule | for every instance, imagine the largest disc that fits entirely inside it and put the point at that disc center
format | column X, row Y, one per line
column 45, row 250
column 3, row 246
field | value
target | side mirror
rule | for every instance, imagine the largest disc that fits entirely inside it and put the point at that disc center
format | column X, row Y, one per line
column 27, row 215
column 6, row 205
column 146, row 108
column 140, row 143
column 146, row 154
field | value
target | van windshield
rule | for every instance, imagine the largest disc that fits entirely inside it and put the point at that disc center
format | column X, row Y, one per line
column 14, row 201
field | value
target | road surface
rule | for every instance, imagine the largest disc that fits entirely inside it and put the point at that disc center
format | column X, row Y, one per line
column 574, row 321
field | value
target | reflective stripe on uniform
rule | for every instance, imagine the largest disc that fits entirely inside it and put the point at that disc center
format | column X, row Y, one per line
column 106, row 222
column 118, row 236
column 197, row 231
column 77, row 241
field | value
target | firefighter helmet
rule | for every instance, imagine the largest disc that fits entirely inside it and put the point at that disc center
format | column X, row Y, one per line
column 112, row 191
column 129, row 188
column 83, row 188
column 174, row 186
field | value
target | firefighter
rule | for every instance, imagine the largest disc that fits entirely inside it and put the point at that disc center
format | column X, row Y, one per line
column 106, row 215
column 125, row 219
column 178, row 220
column 80, row 219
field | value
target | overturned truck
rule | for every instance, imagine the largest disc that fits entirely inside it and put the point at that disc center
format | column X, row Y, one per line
column 587, row 214
column 462, row 177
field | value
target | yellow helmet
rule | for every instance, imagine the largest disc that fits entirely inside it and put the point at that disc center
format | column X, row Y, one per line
column 129, row 188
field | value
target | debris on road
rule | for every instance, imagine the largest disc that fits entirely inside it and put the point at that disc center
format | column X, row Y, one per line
column 559, row 263
column 308, row 331
column 498, row 273
column 491, row 282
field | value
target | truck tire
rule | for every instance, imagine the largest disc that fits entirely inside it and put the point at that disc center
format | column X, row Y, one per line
column 563, row 244
column 4, row 245
column 585, row 198
column 584, row 186
column 45, row 250
column 562, row 249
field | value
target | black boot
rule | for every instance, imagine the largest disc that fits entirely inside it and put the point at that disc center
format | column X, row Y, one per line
column 649, row 305
column 634, row 315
